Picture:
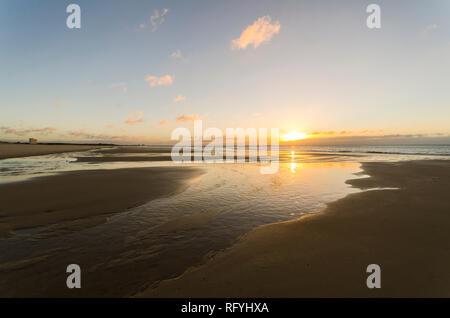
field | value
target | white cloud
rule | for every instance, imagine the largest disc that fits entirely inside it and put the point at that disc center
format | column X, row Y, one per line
column 159, row 80
column 261, row 31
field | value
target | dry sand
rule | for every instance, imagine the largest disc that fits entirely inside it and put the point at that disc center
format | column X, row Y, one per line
column 25, row 150
column 405, row 231
column 79, row 199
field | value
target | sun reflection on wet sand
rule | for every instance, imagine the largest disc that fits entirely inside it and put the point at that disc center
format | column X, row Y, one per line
column 293, row 166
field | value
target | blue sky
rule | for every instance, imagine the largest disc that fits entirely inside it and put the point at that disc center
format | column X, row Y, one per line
column 322, row 71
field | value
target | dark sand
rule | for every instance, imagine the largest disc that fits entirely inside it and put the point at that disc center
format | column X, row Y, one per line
column 134, row 149
column 144, row 153
column 84, row 198
column 405, row 231
column 122, row 159
column 25, row 150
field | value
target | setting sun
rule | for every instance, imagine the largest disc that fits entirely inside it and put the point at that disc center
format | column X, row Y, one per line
column 292, row 136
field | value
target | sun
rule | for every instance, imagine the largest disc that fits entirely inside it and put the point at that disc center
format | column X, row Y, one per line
column 292, row 136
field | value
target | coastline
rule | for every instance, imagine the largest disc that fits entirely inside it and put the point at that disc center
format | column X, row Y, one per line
column 406, row 231
column 25, row 150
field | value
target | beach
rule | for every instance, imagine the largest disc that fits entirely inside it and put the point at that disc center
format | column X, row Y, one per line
column 405, row 230
column 8, row 150
column 231, row 149
column 140, row 226
column 130, row 224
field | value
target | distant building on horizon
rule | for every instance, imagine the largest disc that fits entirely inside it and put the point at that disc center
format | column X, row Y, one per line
column 33, row 141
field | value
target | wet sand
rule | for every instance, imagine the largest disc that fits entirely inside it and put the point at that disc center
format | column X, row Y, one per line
column 134, row 149
column 145, row 153
column 25, row 150
column 161, row 239
column 122, row 159
column 406, row 231
column 79, row 199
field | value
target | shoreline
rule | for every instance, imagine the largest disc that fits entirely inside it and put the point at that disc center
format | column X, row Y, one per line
column 8, row 151
column 406, row 231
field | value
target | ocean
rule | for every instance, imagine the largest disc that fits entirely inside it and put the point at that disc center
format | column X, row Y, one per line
column 19, row 169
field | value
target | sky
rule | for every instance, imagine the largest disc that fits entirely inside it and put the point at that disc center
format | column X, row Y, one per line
column 136, row 70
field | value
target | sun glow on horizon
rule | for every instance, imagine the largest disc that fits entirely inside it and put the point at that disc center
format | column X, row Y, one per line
column 292, row 136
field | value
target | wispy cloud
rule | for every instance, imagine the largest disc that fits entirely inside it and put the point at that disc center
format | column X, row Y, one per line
column 22, row 132
column 177, row 54
column 80, row 133
column 155, row 20
column 179, row 98
column 428, row 29
column 158, row 18
column 59, row 103
column 84, row 134
column 345, row 133
column 163, row 122
column 121, row 85
column 261, row 31
column 134, row 119
column 159, row 80
column 187, row 118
